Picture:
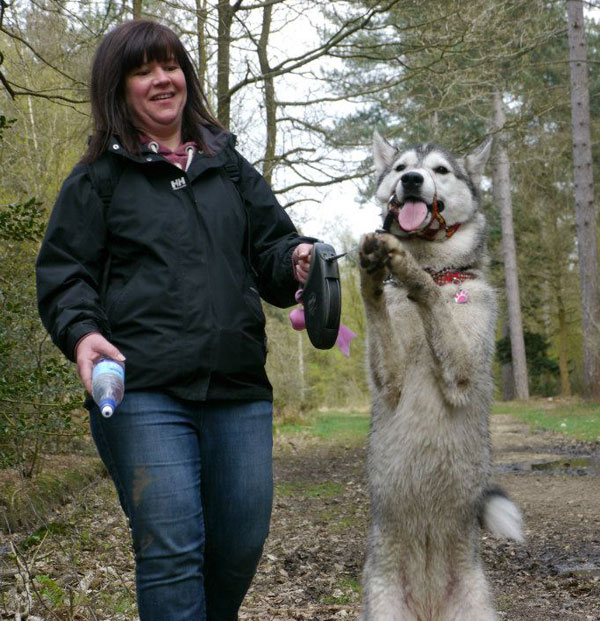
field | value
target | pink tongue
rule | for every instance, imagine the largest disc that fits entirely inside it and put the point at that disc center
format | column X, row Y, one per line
column 412, row 215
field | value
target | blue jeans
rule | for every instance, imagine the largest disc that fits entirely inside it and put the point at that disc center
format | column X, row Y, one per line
column 195, row 481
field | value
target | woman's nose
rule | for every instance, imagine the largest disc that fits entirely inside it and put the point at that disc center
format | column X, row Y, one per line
column 159, row 76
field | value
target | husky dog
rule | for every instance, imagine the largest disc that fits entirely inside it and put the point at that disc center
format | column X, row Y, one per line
column 430, row 331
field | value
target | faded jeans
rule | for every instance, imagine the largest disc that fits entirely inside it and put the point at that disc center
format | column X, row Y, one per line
column 195, row 480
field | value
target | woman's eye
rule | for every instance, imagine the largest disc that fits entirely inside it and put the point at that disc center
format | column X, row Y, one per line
column 400, row 167
column 442, row 170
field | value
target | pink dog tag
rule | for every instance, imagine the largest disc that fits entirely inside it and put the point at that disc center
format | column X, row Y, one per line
column 461, row 296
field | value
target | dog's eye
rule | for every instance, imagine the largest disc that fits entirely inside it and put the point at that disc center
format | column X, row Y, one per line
column 442, row 170
column 400, row 167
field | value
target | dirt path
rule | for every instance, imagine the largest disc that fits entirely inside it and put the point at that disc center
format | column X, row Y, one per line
column 556, row 575
column 315, row 552
column 312, row 562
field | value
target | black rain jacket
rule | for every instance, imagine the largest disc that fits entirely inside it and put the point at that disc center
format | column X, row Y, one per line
column 189, row 253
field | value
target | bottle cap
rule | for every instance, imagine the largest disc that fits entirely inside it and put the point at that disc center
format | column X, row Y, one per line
column 107, row 407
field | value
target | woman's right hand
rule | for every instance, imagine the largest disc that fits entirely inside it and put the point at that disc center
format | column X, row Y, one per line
column 88, row 351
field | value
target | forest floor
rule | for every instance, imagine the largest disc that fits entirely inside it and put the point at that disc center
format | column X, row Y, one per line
column 78, row 567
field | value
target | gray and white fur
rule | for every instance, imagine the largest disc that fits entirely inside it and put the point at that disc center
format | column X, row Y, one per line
column 429, row 358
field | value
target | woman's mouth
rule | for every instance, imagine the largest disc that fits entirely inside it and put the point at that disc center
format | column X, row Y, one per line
column 162, row 96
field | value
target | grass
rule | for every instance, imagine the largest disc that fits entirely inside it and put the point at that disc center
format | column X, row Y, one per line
column 579, row 420
column 349, row 427
column 327, row 489
column 346, row 591
column 576, row 419
column 339, row 520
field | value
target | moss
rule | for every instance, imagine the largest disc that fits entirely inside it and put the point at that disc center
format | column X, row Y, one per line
column 24, row 503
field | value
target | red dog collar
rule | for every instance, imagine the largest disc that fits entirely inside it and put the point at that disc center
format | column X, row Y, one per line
column 451, row 276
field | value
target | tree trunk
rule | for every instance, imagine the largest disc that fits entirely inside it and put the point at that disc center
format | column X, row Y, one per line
column 502, row 199
column 201, row 13
column 585, row 213
column 225, row 16
column 137, row 9
column 269, row 95
column 563, row 362
column 508, row 378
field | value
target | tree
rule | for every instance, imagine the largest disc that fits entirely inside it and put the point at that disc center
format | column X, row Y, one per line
column 587, row 232
column 503, row 202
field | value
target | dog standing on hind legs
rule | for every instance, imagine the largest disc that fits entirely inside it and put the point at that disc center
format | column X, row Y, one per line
column 430, row 332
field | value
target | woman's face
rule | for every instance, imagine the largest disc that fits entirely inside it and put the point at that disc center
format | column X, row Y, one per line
column 156, row 94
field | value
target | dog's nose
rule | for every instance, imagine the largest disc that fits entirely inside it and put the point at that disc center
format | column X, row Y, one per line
column 411, row 181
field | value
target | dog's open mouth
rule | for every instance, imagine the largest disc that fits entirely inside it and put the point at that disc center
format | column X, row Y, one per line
column 414, row 213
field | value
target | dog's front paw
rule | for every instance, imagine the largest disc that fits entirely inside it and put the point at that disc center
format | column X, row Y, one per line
column 405, row 269
column 382, row 249
column 373, row 254
column 373, row 257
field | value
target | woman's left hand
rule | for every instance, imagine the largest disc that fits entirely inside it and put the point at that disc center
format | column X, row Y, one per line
column 301, row 261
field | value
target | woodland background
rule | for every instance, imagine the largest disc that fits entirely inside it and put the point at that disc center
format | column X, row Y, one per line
column 304, row 84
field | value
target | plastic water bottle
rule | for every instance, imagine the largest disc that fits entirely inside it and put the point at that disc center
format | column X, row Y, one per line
column 108, row 385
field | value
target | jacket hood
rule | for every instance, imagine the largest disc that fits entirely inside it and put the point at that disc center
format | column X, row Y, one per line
column 216, row 138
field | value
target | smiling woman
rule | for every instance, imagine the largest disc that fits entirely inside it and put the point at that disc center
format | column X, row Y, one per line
column 165, row 270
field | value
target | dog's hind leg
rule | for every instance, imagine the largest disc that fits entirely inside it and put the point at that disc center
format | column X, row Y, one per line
column 470, row 601
column 383, row 598
column 386, row 594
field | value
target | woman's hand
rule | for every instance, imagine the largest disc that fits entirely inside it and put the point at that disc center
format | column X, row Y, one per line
column 301, row 261
column 88, row 351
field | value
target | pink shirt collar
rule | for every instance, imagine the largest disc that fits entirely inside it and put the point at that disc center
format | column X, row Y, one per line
column 181, row 157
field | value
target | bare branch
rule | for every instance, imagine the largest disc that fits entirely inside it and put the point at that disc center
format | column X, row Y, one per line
column 262, row 5
column 290, row 64
column 42, row 95
column 319, row 184
column 298, row 201
column 16, row 37
column 7, row 85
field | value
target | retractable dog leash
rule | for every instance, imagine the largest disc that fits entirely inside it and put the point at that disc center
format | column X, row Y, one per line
column 321, row 298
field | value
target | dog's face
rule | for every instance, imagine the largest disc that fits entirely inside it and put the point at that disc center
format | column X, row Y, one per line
column 417, row 177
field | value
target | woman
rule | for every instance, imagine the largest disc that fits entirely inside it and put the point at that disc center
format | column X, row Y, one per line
column 166, row 274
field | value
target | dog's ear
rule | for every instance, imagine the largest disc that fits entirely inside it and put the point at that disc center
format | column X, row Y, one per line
column 383, row 153
column 475, row 161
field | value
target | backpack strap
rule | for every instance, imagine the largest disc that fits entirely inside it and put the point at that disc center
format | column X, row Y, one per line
column 104, row 175
column 232, row 170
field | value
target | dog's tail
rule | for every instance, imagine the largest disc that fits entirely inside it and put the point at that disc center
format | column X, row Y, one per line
column 500, row 515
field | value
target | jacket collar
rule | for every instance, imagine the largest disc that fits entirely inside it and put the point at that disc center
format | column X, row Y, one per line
column 217, row 139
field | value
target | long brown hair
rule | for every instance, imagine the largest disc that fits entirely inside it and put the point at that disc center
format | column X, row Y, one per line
column 123, row 49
